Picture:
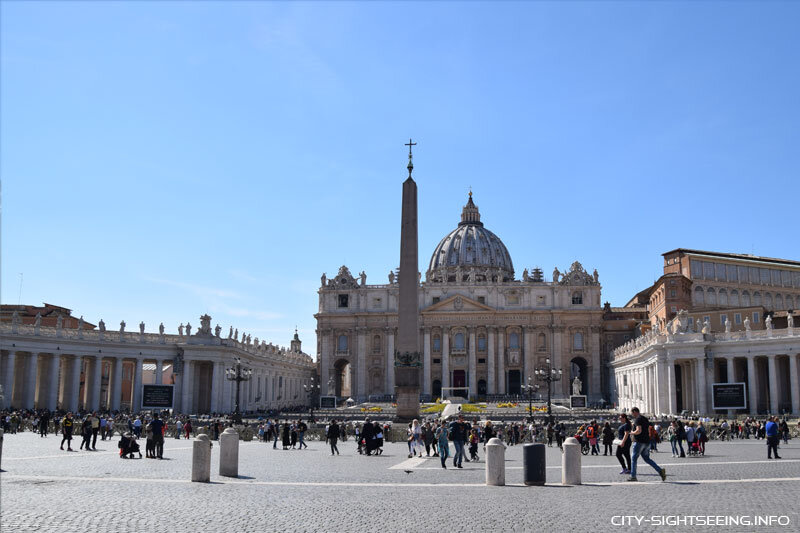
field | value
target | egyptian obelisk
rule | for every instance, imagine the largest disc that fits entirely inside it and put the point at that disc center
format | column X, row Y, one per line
column 407, row 355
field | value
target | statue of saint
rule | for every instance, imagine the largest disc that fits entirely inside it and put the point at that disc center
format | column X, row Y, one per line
column 38, row 321
column 188, row 329
column 60, row 321
column 706, row 327
column 556, row 275
column 324, row 279
column 789, row 320
column 102, row 325
column 15, row 320
column 363, row 277
column 141, row 327
column 122, row 327
column 230, row 333
column 472, row 275
column 746, row 324
column 525, row 276
column 727, row 326
column 595, row 276
column 180, row 329
column 80, row 323
column 236, row 334
column 391, row 277
column 161, row 329
column 768, row 322
column 217, row 330
column 576, row 386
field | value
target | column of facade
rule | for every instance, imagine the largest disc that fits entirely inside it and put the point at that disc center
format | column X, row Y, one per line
column 31, row 369
column 361, row 366
column 159, row 372
column 216, row 373
column 490, row 338
column 51, row 401
column 136, row 405
column 390, row 361
column 671, row 386
column 75, row 383
column 472, row 365
column 594, row 388
column 773, row 385
column 527, row 356
column 97, row 379
column 426, row 362
column 555, row 358
column 10, row 360
column 752, row 384
column 501, row 360
column 325, row 361
column 794, row 385
column 445, row 360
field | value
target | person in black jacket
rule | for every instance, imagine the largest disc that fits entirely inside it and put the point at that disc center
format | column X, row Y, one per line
column 333, row 436
column 286, row 439
column 608, row 439
column 66, row 431
column 368, row 434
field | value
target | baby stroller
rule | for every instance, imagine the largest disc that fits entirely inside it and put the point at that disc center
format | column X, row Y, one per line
column 128, row 446
column 694, row 448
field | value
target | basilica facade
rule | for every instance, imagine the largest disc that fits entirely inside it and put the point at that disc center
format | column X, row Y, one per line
column 483, row 331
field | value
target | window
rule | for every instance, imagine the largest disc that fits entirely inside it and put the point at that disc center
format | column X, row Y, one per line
column 512, row 298
column 437, row 344
column 721, row 275
column 437, row 361
column 697, row 269
column 577, row 341
column 673, row 293
column 341, row 343
column 691, row 322
column 732, row 273
column 764, row 273
column 734, row 299
column 436, row 299
column 723, row 297
column 541, row 345
column 789, row 302
column 778, row 302
column 711, row 297
column 786, row 278
column 513, row 340
column 745, row 299
column 481, row 361
column 775, row 277
column 458, row 341
column 737, row 318
column 768, row 301
column 376, row 344
column 674, row 309
column 344, row 300
column 755, row 317
column 723, row 319
column 627, row 337
column 577, row 298
column 481, row 343
column 742, row 274
column 625, row 380
column 708, row 270
column 753, row 275
column 699, row 296
column 376, row 303
column 481, row 299
column 541, row 300
column 756, row 298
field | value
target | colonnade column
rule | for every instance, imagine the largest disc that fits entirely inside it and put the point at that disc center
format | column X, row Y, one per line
column 752, row 385
column 216, row 374
column 136, row 396
column 361, row 365
column 426, row 362
column 390, row 361
column 490, row 388
column 188, row 385
column 75, row 385
column 52, row 390
column 97, row 377
column 501, row 360
column 794, row 386
column 30, row 380
column 445, row 360
column 159, row 371
column 773, row 385
column 116, row 384
column 671, row 386
column 8, row 377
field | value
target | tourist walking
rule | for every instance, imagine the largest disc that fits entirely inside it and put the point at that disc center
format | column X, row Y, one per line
column 187, row 428
column 624, row 444
column 86, row 432
column 444, row 446
column 157, row 426
column 458, row 433
column 771, row 432
column 286, row 438
column 66, row 432
column 301, row 431
column 608, row 439
column 95, row 420
column 44, row 421
column 641, row 445
column 333, row 436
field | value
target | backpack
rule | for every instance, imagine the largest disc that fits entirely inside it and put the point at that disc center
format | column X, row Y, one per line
column 590, row 432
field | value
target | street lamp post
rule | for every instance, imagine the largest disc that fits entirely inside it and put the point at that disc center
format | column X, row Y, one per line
column 313, row 390
column 238, row 374
column 529, row 388
column 548, row 374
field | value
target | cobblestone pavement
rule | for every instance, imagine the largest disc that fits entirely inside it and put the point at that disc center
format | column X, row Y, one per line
column 45, row 489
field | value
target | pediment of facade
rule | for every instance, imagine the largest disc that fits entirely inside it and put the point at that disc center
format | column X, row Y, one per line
column 457, row 303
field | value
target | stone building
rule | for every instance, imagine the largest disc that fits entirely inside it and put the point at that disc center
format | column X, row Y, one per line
column 483, row 331
column 57, row 367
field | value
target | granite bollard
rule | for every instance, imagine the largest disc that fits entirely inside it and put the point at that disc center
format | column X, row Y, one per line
column 571, row 462
column 201, row 458
column 495, row 462
column 229, row 453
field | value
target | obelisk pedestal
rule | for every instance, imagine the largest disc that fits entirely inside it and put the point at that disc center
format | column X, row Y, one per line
column 407, row 360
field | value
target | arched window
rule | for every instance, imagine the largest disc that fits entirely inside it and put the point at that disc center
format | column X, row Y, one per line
column 577, row 298
column 711, row 297
column 723, row 297
column 789, row 302
column 699, row 296
column 745, row 299
column 768, row 301
column 778, row 302
column 756, row 298
column 481, row 342
column 458, row 341
column 437, row 343
column 541, row 345
column 341, row 344
column 513, row 340
column 734, row 298
column 577, row 341
column 376, row 344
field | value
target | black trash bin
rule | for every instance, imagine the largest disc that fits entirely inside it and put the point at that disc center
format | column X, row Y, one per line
column 534, row 466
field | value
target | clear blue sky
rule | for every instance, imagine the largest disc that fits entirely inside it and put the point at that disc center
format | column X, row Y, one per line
column 163, row 160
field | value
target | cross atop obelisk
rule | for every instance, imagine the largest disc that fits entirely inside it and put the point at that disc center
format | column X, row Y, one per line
column 407, row 355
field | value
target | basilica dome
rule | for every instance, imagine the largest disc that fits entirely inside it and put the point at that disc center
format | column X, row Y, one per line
column 470, row 253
